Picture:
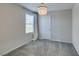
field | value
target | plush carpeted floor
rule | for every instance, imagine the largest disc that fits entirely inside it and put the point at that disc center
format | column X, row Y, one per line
column 45, row 48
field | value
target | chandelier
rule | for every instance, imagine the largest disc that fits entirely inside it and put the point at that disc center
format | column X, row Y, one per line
column 42, row 10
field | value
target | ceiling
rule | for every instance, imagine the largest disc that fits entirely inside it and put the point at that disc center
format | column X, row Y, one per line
column 50, row 6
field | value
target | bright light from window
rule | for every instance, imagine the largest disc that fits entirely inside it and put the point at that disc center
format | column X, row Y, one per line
column 29, row 23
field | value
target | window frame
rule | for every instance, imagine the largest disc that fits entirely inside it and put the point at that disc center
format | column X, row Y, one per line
column 33, row 23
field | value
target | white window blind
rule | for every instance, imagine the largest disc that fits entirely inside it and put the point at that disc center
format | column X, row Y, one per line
column 29, row 27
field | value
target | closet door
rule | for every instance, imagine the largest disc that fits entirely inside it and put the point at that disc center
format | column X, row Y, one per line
column 61, row 24
column 52, row 24
column 54, row 28
column 57, row 25
column 45, row 27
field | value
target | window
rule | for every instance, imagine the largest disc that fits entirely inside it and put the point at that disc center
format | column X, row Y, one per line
column 29, row 27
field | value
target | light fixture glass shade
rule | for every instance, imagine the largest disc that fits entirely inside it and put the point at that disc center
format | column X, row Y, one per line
column 42, row 10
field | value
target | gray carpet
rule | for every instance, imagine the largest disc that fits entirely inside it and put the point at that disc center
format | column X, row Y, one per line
column 44, row 48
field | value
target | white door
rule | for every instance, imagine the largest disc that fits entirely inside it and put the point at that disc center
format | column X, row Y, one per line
column 45, row 27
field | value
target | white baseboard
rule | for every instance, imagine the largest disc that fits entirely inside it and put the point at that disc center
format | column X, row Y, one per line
column 56, row 40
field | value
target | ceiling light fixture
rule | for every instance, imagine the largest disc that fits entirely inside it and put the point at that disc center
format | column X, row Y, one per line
column 42, row 10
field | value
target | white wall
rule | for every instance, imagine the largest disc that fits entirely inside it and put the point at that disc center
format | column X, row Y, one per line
column 12, row 28
column 44, row 27
column 75, row 27
column 61, row 28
